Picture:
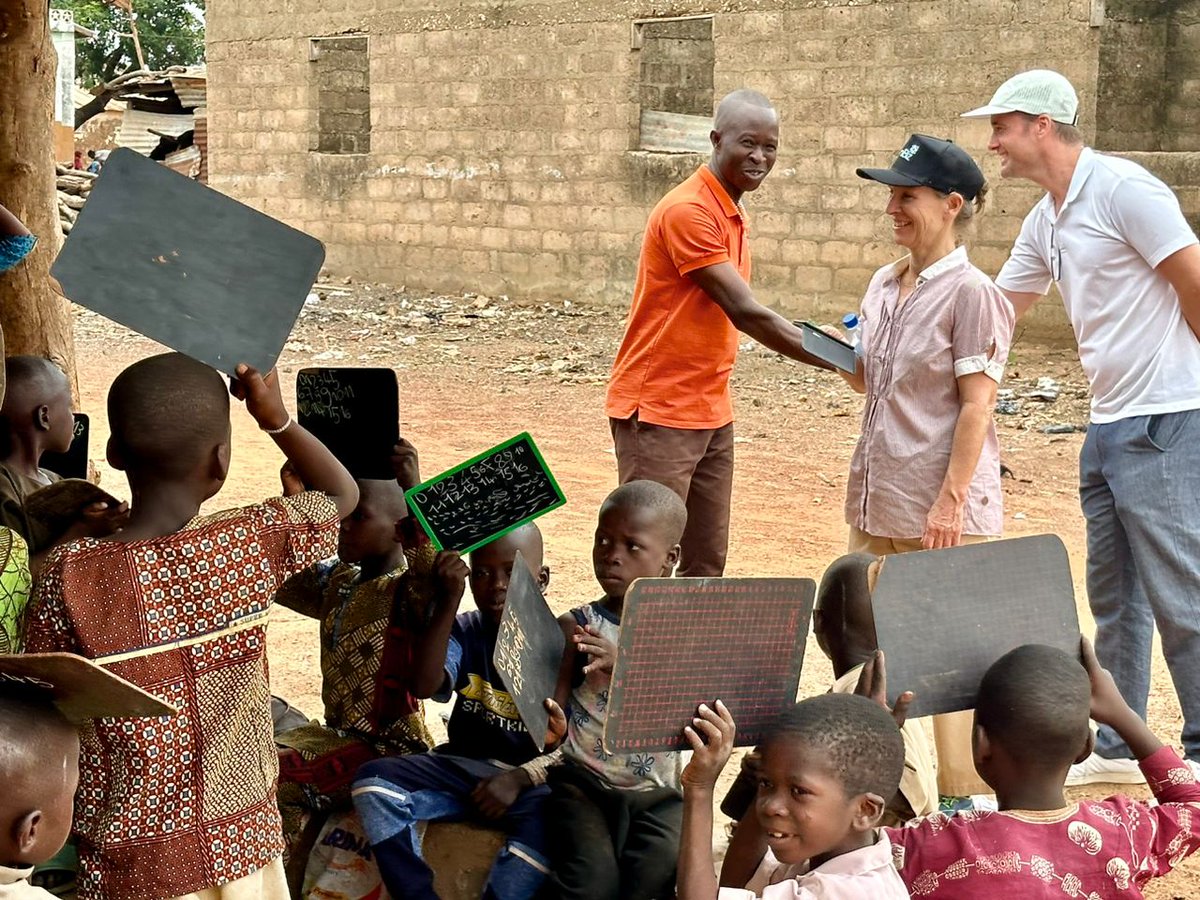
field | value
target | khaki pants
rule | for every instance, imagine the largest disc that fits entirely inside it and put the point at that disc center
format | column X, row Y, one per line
column 698, row 466
column 952, row 731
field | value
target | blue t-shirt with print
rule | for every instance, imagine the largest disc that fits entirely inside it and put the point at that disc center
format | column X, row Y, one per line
column 485, row 723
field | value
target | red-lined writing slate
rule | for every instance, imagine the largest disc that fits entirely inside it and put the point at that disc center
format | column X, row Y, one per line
column 687, row 641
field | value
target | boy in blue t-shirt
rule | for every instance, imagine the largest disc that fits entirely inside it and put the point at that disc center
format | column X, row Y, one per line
column 489, row 768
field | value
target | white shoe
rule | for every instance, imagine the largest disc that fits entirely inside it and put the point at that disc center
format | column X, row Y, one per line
column 1098, row 770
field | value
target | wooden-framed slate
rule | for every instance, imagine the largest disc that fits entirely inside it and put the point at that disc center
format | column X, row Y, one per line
column 529, row 650
column 187, row 266
column 73, row 463
column 943, row 617
column 355, row 412
column 487, row 496
column 687, row 641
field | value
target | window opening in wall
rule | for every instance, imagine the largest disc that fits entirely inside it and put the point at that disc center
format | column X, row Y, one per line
column 675, row 83
column 342, row 73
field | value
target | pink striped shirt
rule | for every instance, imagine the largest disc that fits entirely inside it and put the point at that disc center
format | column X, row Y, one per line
column 955, row 322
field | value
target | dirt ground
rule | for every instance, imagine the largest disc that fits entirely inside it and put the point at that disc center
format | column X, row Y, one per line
column 476, row 370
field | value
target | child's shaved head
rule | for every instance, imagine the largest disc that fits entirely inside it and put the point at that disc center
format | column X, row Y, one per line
column 659, row 499
column 167, row 413
column 1034, row 702
column 39, row 768
column 29, row 380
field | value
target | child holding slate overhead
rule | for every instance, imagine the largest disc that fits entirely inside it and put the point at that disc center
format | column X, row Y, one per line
column 825, row 770
column 490, row 769
column 371, row 600
column 616, row 816
column 1031, row 724
column 844, row 626
column 177, row 603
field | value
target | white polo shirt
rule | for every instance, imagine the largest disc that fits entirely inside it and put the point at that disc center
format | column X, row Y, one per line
column 1117, row 224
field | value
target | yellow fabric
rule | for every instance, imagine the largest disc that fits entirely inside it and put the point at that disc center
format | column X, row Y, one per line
column 267, row 883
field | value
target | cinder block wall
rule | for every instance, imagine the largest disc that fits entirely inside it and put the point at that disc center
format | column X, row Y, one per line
column 503, row 142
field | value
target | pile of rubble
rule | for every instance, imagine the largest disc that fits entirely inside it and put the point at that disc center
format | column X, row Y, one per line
column 74, row 185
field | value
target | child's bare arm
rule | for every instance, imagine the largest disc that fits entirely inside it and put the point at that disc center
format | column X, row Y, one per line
column 314, row 465
column 429, row 657
column 601, row 652
column 406, row 465
column 746, row 850
column 1109, row 707
column 566, row 671
column 10, row 225
column 711, row 738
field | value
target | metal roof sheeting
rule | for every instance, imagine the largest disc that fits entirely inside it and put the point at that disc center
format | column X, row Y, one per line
column 136, row 127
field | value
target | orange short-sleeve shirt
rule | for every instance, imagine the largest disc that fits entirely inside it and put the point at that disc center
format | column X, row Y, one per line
column 674, row 362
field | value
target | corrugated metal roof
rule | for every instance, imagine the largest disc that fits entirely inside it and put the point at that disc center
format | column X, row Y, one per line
column 136, row 128
column 191, row 86
column 80, row 97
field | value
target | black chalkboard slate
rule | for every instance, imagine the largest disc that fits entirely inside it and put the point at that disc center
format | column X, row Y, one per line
column 487, row 496
column 944, row 616
column 529, row 650
column 187, row 266
column 353, row 412
column 687, row 641
column 73, row 463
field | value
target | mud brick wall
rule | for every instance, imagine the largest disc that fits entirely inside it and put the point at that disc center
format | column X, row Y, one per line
column 502, row 154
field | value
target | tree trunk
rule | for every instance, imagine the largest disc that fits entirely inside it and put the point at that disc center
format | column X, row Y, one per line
column 34, row 319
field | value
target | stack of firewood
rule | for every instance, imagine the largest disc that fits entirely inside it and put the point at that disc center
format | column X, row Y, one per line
column 74, row 185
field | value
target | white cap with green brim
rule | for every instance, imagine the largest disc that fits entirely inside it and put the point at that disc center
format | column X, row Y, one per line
column 1038, row 92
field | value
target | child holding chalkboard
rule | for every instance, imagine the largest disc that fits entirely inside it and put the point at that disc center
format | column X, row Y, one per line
column 844, row 626
column 371, row 600
column 615, row 817
column 490, row 769
column 1031, row 724
column 177, row 603
column 824, row 772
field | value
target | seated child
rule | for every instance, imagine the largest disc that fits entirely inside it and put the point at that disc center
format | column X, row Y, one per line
column 1031, row 724
column 177, row 603
column 371, row 600
column 44, row 699
column 615, row 832
column 825, row 770
column 490, row 769
column 844, row 625
column 37, row 417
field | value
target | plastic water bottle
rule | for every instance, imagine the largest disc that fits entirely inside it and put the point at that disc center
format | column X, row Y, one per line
column 853, row 326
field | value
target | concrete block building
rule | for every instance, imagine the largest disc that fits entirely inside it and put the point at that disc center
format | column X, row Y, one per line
column 517, row 147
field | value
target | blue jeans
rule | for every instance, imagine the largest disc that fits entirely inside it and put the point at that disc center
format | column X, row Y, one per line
column 1139, row 486
column 392, row 795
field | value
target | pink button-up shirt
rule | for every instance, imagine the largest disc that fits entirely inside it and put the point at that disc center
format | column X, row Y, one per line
column 955, row 322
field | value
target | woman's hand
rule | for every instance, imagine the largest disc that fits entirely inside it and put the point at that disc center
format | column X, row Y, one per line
column 944, row 524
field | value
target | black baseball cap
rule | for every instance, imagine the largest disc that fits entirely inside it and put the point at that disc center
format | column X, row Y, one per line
column 931, row 162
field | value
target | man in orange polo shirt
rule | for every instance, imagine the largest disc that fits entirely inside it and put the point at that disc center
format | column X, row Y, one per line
column 668, row 398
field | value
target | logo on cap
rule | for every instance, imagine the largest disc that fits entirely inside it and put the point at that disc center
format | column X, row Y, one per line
column 909, row 152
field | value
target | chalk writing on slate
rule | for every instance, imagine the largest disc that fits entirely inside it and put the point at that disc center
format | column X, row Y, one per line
column 687, row 641
column 529, row 650
column 73, row 463
column 355, row 413
column 965, row 607
column 485, row 497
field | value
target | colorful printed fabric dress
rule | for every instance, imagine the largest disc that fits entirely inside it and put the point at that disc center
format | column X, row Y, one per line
column 367, row 634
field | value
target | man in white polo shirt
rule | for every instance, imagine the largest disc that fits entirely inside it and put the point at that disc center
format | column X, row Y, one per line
column 1113, row 238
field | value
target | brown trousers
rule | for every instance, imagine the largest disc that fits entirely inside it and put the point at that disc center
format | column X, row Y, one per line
column 951, row 731
column 698, row 466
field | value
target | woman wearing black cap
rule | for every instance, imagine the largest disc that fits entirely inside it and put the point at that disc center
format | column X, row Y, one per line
column 934, row 339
